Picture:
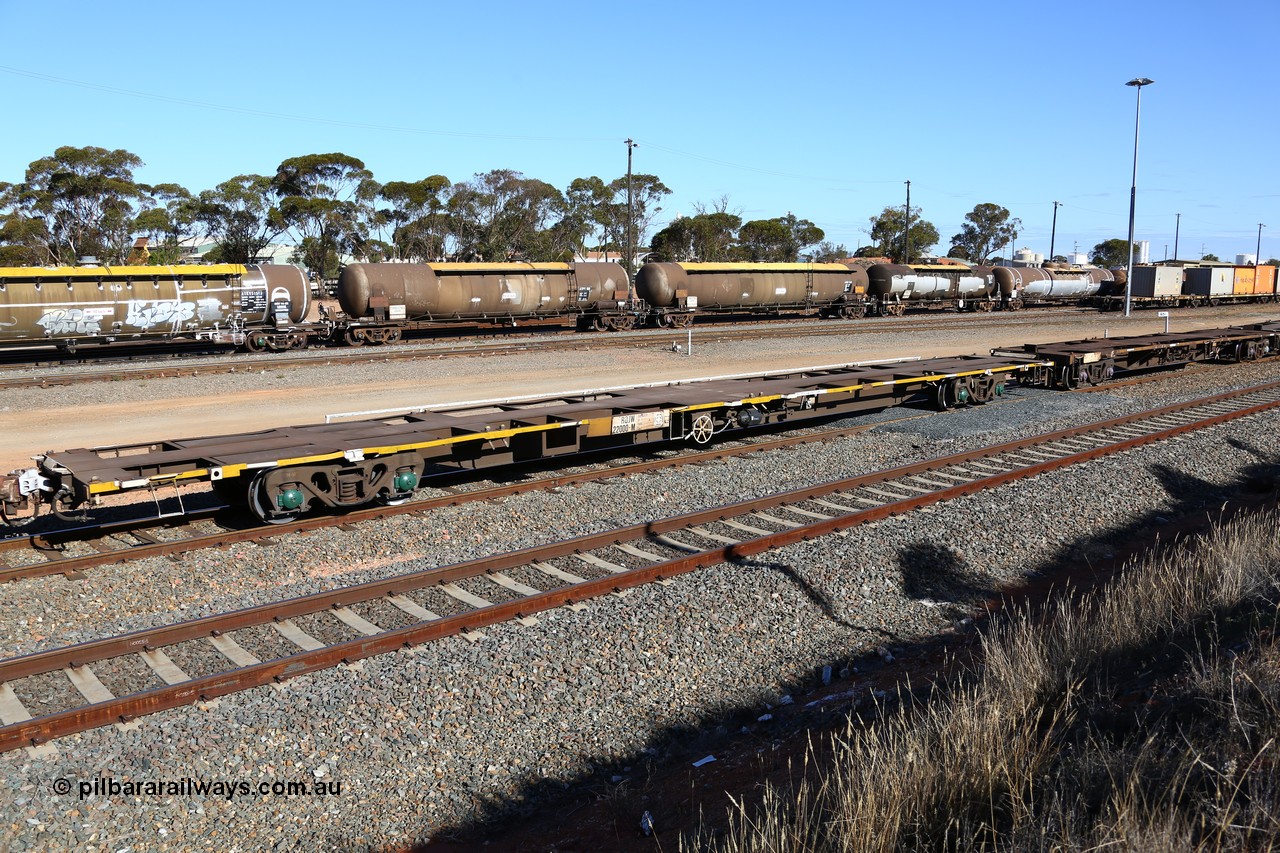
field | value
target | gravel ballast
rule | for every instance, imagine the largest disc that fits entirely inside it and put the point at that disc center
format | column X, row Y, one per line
column 438, row 736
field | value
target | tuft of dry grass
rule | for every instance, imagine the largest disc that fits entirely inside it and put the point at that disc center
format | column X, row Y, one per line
column 1140, row 716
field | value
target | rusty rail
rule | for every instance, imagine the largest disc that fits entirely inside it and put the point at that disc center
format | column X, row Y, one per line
column 32, row 731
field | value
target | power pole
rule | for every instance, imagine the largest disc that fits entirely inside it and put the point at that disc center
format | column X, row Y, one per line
column 1054, row 233
column 631, row 219
column 1177, row 226
column 906, row 236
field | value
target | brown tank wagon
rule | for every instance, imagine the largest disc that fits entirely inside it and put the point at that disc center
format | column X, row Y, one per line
column 383, row 300
column 68, row 306
column 1019, row 286
column 676, row 292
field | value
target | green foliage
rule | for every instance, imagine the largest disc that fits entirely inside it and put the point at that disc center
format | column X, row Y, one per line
column 1209, row 257
column 328, row 200
column 79, row 201
column 1110, row 253
column 168, row 214
column 985, row 228
column 706, row 237
column 1275, row 262
column 888, row 233
column 777, row 240
column 502, row 215
column 827, row 252
column 239, row 215
column 417, row 214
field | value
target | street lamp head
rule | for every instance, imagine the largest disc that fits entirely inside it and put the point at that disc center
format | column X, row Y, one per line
column 1140, row 82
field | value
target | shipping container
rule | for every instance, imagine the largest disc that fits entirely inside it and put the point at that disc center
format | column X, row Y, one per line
column 1266, row 280
column 1156, row 282
column 1209, row 281
column 1244, row 279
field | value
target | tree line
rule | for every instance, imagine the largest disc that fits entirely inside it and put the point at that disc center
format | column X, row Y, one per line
column 86, row 201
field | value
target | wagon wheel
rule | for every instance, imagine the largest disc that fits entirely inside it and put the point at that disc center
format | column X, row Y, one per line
column 394, row 336
column 1069, row 378
column 255, row 342
column 942, row 399
column 353, row 338
column 598, row 323
column 702, row 429
column 261, row 506
column 985, row 307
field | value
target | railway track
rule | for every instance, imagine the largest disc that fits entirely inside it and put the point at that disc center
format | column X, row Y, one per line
column 61, row 691
column 134, row 539
column 14, row 377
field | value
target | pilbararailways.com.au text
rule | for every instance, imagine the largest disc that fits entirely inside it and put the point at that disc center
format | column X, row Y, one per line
column 227, row 789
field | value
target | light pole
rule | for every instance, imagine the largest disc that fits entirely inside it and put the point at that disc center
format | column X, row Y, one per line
column 906, row 234
column 1177, row 226
column 631, row 218
column 1257, row 253
column 1053, row 234
column 1137, row 82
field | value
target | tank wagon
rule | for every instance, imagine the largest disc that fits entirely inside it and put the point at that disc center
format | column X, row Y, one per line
column 895, row 287
column 258, row 307
column 1020, row 286
column 382, row 301
column 674, row 292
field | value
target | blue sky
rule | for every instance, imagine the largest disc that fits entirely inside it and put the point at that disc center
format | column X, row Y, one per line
column 822, row 109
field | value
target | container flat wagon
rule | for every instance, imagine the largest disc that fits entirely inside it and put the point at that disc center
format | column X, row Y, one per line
column 281, row 473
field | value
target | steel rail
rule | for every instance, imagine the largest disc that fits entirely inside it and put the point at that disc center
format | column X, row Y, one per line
column 212, row 686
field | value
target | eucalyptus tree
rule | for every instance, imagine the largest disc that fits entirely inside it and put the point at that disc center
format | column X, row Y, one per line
column 501, row 215
column 887, row 235
column 169, row 212
column 780, row 239
column 239, row 215
column 327, row 199
column 986, row 228
column 418, row 217
column 76, row 202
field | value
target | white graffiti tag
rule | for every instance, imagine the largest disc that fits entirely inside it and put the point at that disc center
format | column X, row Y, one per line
column 69, row 321
column 172, row 312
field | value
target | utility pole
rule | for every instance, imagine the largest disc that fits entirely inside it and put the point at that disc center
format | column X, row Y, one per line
column 1137, row 83
column 906, row 234
column 1054, row 232
column 1257, row 253
column 1177, row 226
column 631, row 219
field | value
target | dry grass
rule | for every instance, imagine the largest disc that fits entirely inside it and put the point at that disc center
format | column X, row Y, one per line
column 1142, row 716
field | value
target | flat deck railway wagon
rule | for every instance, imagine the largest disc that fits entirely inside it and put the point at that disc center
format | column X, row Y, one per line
column 279, row 474
column 258, row 307
column 1189, row 284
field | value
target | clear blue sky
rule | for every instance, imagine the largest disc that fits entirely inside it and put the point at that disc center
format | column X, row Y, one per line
column 822, row 109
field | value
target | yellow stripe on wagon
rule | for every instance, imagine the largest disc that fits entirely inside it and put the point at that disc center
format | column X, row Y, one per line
column 238, row 469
